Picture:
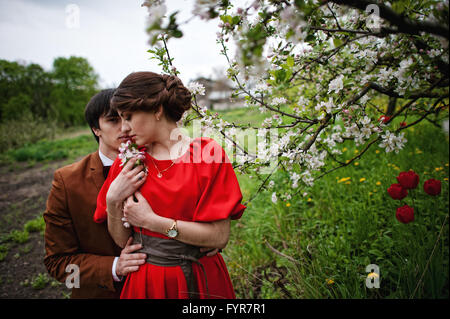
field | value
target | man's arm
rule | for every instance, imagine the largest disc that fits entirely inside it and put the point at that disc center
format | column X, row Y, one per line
column 62, row 245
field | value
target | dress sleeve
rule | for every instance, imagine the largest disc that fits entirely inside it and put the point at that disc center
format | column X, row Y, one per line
column 220, row 192
column 100, row 214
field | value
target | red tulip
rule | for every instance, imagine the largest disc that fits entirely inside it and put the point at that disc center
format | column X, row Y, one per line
column 405, row 214
column 432, row 187
column 408, row 180
column 384, row 119
column 397, row 191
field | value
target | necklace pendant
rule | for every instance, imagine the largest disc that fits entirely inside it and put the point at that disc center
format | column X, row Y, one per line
column 159, row 175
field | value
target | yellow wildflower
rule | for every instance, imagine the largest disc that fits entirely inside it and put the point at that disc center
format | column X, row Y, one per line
column 378, row 183
column 370, row 193
column 344, row 149
column 357, row 163
column 344, row 179
column 377, row 151
column 446, row 164
column 362, row 179
column 446, row 179
column 356, row 151
column 373, row 275
column 330, row 281
column 309, row 199
column 288, row 205
column 349, row 182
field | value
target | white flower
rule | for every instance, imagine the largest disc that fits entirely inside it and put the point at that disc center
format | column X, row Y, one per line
column 271, row 184
column 279, row 100
column 196, row 88
column 393, row 143
column 274, row 197
column 156, row 12
column 304, row 48
column 365, row 120
column 261, row 87
column 336, row 85
column 295, row 178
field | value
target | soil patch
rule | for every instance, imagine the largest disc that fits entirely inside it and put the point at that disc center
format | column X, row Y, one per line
column 23, row 196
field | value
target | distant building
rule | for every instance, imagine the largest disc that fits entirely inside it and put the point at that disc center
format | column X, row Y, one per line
column 218, row 95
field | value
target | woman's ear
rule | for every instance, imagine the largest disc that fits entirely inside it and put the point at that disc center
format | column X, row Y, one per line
column 159, row 113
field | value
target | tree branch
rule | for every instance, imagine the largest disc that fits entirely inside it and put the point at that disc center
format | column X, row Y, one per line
column 403, row 24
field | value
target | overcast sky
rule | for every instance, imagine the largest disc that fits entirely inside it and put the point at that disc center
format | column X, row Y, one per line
column 111, row 35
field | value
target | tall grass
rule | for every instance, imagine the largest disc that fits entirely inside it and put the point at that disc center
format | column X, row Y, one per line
column 318, row 244
column 50, row 150
column 26, row 130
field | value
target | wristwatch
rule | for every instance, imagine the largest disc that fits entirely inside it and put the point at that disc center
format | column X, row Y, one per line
column 172, row 232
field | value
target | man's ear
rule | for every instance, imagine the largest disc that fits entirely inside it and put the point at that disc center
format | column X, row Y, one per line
column 97, row 131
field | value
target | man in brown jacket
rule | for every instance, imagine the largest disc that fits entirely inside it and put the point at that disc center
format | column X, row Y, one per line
column 80, row 252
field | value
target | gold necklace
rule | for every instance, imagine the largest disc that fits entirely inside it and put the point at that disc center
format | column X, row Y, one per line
column 160, row 175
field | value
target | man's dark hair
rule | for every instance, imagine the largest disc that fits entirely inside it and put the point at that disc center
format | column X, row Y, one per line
column 99, row 105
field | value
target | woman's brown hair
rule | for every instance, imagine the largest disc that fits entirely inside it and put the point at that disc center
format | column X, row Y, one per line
column 147, row 91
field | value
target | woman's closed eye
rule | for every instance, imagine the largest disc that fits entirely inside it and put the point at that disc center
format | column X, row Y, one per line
column 126, row 116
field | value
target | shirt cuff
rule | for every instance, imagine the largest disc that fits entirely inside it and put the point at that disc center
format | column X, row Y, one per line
column 115, row 277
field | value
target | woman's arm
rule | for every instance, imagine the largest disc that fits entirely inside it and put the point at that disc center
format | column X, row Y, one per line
column 123, row 186
column 203, row 234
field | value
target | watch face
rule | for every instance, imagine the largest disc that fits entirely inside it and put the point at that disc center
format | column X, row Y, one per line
column 172, row 233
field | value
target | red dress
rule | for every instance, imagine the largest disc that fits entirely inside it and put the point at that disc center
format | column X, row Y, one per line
column 202, row 187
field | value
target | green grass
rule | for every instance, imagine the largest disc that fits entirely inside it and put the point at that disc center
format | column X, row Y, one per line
column 51, row 150
column 345, row 222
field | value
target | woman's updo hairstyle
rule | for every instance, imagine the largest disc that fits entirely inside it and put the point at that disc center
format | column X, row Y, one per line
column 147, row 91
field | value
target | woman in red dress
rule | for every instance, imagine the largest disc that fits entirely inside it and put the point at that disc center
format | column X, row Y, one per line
column 184, row 201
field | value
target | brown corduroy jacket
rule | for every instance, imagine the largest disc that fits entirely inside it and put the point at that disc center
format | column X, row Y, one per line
column 71, row 235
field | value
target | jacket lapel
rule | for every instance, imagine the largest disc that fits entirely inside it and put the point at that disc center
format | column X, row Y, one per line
column 96, row 170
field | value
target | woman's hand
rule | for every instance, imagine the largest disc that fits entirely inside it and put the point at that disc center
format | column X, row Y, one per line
column 126, row 183
column 139, row 213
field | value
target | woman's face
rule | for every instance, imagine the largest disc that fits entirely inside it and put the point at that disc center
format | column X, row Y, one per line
column 140, row 126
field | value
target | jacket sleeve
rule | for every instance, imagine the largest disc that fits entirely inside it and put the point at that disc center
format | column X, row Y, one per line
column 62, row 246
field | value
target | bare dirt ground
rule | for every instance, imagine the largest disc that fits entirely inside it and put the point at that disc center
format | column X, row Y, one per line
column 23, row 196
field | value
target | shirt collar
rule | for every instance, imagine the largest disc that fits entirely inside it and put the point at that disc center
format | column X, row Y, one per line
column 105, row 160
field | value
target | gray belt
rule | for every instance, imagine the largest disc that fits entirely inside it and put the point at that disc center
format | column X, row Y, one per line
column 170, row 252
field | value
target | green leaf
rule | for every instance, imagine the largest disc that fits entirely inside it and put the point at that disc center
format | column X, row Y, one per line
column 337, row 42
column 290, row 61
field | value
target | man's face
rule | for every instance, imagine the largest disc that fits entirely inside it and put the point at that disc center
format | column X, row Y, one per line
column 110, row 135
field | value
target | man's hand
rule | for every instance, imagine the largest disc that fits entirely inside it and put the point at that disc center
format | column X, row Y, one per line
column 129, row 261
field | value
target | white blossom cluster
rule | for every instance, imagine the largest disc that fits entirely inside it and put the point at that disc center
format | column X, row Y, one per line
column 391, row 142
column 361, row 132
column 128, row 151
column 196, row 88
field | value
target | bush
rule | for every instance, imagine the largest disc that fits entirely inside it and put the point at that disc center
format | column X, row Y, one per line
column 26, row 130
